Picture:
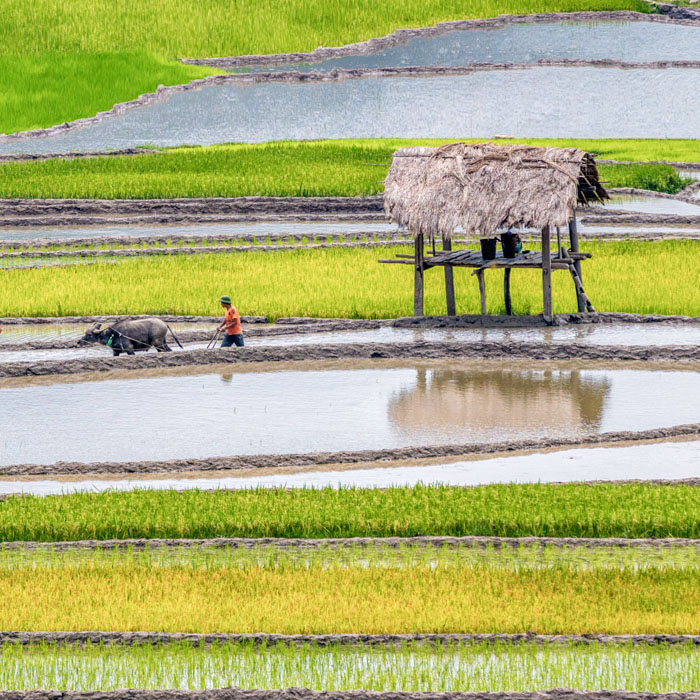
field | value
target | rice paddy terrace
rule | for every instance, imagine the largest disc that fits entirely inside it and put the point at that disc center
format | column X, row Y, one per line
column 359, row 504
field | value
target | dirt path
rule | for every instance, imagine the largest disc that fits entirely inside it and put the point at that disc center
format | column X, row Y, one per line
column 380, row 543
column 320, row 459
column 323, row 640
column 419, row 350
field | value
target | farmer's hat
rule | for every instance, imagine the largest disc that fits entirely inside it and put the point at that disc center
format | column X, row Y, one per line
column 225, row 300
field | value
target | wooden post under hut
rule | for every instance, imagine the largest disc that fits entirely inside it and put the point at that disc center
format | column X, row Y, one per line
column 484, row 189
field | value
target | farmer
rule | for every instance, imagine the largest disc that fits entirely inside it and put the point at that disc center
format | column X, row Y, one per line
column 231, row 323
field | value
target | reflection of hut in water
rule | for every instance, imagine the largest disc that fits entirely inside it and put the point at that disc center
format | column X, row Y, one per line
column 507, row 398
column 486, row 190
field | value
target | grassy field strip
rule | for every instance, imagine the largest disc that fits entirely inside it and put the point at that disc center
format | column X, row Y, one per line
column 347, row 283
column 454, row 667
column 565, row 510
column 324, row 597
column 293, row 169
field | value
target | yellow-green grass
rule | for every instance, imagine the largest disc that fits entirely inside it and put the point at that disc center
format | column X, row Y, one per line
column 410, row 667
column 348, row 283
column 325, row 598
column 101, row 38
column 503, row 510
column 218, row 28
column 52, row 88
column 296, row 169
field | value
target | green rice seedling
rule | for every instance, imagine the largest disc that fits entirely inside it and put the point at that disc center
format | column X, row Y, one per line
column 515, row 510
column 316, row 168
column 417, row 668
column 347, row 283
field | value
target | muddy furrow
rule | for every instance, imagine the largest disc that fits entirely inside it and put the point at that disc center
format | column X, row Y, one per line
column 325, row 640
column 305, row 694
column 70, row 155
column 379, row 543
column 212, row 238
column 420, row 350
column 266, row 461
column 184, row 205
column 194, row 250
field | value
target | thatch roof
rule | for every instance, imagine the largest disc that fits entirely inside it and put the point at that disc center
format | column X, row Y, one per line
column 482, row 187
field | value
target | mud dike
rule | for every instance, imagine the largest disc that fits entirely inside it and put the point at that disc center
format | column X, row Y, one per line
column 346, row 457
column 305, row 694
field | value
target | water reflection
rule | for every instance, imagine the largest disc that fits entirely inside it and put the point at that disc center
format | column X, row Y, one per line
column 355, row 406
column 501, row 400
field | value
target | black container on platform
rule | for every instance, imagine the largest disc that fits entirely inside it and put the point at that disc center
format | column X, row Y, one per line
column 488, row 248
column 510, row 242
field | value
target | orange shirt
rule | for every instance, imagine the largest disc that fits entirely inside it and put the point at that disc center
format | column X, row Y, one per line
column 232, row 316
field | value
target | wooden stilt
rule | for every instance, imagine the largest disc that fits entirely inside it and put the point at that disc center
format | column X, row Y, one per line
column 547, row 276
column 482, row 291
column 573, row 236
column 506, row 291
column 580, row 292
column 418, row 277
column 449, row 281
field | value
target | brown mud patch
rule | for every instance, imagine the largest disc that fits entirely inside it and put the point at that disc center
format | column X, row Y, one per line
column 419, row 350
column 353, row 543
column 256, row 472
column 316, row 459
column 324, row 640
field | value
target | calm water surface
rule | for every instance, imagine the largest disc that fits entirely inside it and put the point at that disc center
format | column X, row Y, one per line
column 245, row 412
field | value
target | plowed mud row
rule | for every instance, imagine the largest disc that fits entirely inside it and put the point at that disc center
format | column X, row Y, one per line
column 305, row 694
column 336, row 543
column 420, row 350
column 324, row 640
column 265, row 461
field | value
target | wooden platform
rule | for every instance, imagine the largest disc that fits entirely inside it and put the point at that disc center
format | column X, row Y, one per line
column 448, row 259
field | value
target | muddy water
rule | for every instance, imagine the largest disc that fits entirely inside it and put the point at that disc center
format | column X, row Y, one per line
column 287, row 411
column 654, row 205
column 667, row 460
column 261, row 229
column 540, row 102
column 529, row 43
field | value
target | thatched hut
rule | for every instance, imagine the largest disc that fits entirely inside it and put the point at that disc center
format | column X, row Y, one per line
column 482, row 188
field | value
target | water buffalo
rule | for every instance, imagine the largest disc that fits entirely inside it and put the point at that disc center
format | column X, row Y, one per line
column 131, row 336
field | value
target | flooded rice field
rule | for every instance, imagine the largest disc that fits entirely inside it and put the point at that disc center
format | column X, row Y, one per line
column 661, row 460
column 654, row 205
column 252, row 228
column 529, row 43
column 539, row 102
column 355, row 406
column 648, row 334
